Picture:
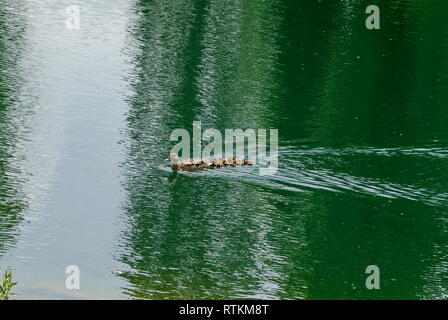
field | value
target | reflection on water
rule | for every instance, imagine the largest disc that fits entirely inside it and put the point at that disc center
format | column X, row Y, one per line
column 85, row 120
column 12, row 105
column 61, row 122
column 358, row 183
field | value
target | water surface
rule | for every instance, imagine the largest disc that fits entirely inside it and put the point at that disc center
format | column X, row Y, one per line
column 85, row 119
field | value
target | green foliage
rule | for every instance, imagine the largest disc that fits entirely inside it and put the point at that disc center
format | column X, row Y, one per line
column 6, row 285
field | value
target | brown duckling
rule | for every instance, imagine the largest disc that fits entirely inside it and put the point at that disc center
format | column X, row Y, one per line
column 231, row 162
column 217, row 163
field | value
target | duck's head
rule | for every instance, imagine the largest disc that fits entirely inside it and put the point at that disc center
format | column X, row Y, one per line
column 173, row 158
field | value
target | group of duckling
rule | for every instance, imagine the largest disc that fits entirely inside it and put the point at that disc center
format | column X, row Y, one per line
column 199, row 164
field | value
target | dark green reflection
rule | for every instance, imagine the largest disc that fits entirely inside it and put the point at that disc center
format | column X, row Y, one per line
column 11, row 199
column 362, row 178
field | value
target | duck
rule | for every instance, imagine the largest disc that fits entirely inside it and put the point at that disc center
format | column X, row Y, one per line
column 199, row 164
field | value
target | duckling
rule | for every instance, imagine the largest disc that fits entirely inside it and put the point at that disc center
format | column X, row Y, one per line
column 231, row 162
column 217, row 163
column 200, row 164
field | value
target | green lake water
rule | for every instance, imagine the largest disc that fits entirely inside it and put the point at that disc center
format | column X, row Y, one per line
column 85, row 120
